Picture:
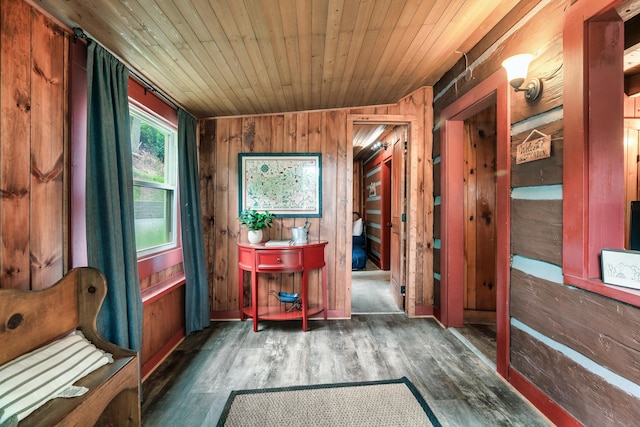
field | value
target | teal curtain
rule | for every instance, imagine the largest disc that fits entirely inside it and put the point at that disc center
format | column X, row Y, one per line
column 111, row 245
column 197, row 315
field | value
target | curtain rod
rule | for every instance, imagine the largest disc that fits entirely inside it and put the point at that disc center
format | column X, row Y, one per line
column 78, row 33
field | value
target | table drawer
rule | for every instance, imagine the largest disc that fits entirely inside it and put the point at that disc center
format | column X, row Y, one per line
column 289, row 259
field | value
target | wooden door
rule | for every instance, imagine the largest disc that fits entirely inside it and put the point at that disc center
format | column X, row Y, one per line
column 398, row 197
column 479, row 207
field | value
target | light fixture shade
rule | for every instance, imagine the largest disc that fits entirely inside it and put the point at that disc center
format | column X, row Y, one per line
column 517, row 67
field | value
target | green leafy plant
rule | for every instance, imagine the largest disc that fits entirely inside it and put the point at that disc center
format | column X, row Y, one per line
column 255, row 220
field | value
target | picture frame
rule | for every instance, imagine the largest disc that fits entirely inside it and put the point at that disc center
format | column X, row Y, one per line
column 285, row 184
column 620, row 267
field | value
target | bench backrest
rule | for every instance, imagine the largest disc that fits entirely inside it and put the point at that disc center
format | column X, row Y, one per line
column 29, row 319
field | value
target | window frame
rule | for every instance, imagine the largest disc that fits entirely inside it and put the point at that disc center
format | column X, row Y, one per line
column 145, row 100
column 593, row 196
column 144, row 115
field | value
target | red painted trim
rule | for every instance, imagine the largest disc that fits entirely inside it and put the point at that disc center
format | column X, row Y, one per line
column 235, row 315
column 424, row 310
column 78, row 136
column 385, row 215
column 337, row 314
column 593, row 185
column 493, row 90
column 452, row 225
column 626, row 295
column 162, row 288
column 153, row 105
column 556, row 414
column 225, row 315
column 149, row 102
column 164, row 351
column 158, row 262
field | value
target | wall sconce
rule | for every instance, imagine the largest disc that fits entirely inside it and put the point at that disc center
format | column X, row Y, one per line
column 517, row 67
column 378, row 145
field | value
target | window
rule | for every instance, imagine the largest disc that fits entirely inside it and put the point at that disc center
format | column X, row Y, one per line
column 154, row 155
column 593, row 210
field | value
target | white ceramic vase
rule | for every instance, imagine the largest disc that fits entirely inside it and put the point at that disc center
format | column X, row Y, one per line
column 254, row 236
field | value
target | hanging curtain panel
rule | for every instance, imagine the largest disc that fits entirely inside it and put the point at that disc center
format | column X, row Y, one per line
column 196, row 287
column 111, row 242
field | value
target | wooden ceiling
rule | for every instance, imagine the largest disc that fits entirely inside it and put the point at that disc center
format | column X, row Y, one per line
column 233, row 57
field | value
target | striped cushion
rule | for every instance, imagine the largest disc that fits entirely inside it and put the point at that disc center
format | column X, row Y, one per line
column 31, row 380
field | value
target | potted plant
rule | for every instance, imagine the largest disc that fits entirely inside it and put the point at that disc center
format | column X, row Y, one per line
column 255, row 221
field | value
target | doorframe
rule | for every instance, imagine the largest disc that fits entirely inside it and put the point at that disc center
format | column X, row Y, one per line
column 493, row 90
column 412, row 200
column 385, row 253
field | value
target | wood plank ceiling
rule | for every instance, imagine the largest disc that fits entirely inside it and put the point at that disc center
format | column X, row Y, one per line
column 234, row 57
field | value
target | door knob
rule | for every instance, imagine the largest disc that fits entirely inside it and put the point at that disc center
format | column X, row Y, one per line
column 389, row 225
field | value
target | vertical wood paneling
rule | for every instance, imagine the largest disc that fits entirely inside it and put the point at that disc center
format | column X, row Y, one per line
column 33, row 133
column 221, row 212
column 232, row 227
column 165, row 320
column 632, row 163
column 315, row 131
column 48, row 102
column 631, row 141
column 344, row 178
column 314, row 139
column 328, row 222
column 481, row 216
column 290, row 136
column 470, row 214
column 358, row 188
column 207, row 172
column 15, row 144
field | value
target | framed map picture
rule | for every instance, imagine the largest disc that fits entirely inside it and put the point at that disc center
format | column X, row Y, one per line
column 285, row 184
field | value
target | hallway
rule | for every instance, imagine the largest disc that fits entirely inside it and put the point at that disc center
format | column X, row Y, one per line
column 191, row 386
column 370, row 292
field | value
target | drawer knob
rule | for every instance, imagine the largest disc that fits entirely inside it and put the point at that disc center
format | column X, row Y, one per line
column 278, row 259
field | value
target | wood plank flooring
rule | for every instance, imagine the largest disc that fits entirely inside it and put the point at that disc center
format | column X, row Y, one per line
column 482, row 337
column 192, row 385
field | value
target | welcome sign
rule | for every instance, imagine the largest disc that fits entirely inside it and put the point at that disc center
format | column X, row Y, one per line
column 534, row 149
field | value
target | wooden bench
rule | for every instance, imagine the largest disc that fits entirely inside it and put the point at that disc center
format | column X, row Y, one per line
column 31, row 319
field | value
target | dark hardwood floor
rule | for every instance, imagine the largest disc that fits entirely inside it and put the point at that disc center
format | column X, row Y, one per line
column 482, row 337
column 192, row 385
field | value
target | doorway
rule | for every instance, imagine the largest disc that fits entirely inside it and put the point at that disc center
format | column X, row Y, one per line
column 491, row 93
column 479, row 302
column 379, row 211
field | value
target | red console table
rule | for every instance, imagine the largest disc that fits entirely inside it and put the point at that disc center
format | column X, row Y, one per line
column 260, row 258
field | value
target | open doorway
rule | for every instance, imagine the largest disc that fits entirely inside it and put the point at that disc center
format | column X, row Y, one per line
column 376, row 284
column 493, row 92
column 479, row 298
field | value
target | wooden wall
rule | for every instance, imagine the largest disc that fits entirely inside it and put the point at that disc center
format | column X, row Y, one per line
column 317, row 131
column 480, row 216
column 377, row 190
column 33, row 154
column 632, row 161
column 572, row 345
column 35, row 175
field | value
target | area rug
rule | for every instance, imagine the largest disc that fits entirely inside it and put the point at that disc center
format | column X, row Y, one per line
column 375, row 403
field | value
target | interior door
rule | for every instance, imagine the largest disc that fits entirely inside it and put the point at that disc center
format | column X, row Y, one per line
column 398, row 203
column 480, row 225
